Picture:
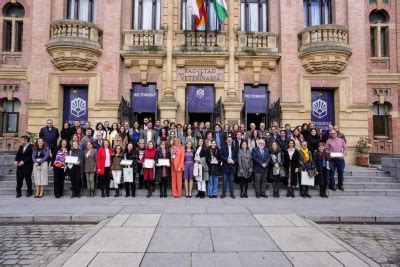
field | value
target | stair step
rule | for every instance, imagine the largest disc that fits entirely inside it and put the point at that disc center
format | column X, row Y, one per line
column 348, row 185
column 367, row 173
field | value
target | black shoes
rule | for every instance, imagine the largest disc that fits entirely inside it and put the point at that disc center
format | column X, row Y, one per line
column 18, row 195
column 223, row 195
column 29, row 194
column 306, row 194
column 233, row 195
column 116, row 193
column 332, row 187
column 341, row 188
column 264, row 195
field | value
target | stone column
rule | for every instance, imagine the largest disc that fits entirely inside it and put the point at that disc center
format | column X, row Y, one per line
column 168, row 104
column 232, row 104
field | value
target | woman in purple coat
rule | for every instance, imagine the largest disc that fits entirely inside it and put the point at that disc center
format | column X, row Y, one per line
column 189, row 165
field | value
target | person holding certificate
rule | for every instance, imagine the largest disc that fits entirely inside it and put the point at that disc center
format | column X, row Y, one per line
column 213, row 163
column 74, row 161
column 131, row 153
column 89, row 166
column 148, row 162
column 305, row 162
column 40, row 155
column 163, row 168
column 104, row 161
column 177, row 167
column 116, row 168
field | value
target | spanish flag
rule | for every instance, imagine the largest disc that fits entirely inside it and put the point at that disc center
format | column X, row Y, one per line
column 198, row 8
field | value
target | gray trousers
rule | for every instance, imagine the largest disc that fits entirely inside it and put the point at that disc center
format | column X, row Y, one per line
column 260, row 183
column 90, row 180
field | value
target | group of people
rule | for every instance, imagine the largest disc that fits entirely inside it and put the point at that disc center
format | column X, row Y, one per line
column 168, row 153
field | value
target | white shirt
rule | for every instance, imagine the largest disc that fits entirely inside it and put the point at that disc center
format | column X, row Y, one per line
column 108, row 161
column 149, row 135
column 230, row 152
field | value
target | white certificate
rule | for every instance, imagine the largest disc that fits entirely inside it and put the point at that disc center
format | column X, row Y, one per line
column 126, row 162
column 163, row 162
column 148, row 163
column 71, row 160
column 336, row 155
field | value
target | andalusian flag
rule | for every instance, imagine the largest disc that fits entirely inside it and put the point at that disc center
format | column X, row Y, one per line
column 198, row 8
column 220, row 9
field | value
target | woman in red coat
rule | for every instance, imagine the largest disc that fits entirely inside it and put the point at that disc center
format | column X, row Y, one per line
column 148, row 161
column 103, row 169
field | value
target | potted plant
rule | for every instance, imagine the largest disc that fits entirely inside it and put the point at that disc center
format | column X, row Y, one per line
column 362, row 150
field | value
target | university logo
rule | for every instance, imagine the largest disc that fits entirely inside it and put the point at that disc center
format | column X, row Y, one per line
column 320, row 108
column 200, row 93
column 78, row 107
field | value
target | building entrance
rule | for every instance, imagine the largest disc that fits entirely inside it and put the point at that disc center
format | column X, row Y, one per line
column 200, row 117
column 200, row 103
column 256, row 118
column 75, row 104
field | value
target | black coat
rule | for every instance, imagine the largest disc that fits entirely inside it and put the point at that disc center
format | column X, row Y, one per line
column 159, row 170
column 224, row 155
column 134, row 156
column 66, row 134
column 49, row 136
column 322, row 177
column 312, row 143
column 291, row 165
column 26, row 156
column 213, row 169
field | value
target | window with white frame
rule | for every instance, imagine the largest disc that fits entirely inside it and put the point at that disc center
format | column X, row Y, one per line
column 379, row 33
column 84, row 10
column 188, row 20
column 254, row 15
column 317, row 12
column 146, row 14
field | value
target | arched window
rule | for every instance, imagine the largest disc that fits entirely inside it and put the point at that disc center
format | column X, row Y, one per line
column 381, row 119
column 10, row 115
column 379, row 33
column 82, row 10
column 254, row 15
column 13, row 27
column 188, row 20
column 146, row 14
column 317, row 12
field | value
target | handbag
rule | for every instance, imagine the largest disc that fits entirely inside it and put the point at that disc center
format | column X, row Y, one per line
column 128, row 175
column 282, row 172
column 307, row 179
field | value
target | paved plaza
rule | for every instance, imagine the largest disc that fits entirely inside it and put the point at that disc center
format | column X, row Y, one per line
column 214, row 232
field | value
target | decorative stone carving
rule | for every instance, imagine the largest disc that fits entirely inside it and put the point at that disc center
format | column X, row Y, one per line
column 74, row 45
column 324, row 49
column 10, row 89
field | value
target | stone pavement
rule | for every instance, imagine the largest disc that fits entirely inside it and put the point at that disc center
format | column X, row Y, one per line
column 231, row 239
column 380, row 242
column 333, row 209
column 36, row 245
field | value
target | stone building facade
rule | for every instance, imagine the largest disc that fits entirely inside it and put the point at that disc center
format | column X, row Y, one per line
column 332, row 61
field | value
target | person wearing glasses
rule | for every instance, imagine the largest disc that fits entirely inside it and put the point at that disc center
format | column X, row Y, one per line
column 337, row 149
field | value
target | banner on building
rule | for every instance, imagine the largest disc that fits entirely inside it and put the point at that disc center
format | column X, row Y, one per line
column 75, row 105
column 144, row 98
column 256, row 99
column 200, row 99
column 322, row 108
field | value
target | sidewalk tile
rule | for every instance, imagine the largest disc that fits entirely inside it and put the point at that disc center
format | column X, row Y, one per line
column 348, row 259
column 236, row 239
column 312, row 259
column 215, row 260
column 118, row 220
column 273, row 220
column 117, row 259
column 80, row 259
column 273, row 259
column 166, row 259
column 302, row 239
column 175, row 220
column 142, row 220
column 119, row 239
column 181, row 239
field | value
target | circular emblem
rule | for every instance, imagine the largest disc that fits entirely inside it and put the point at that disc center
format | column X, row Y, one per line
column 200, row 93
column 320, row 108
column 78, row 107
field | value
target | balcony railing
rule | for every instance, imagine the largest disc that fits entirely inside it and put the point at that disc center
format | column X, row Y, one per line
column 75, row 32
column 258, row 42
column 143, row 40
column 74, row 44
column 324, row 37
column 202, row 41
column 324, row 48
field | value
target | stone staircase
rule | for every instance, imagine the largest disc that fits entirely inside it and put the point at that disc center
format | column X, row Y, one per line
column 358, row 182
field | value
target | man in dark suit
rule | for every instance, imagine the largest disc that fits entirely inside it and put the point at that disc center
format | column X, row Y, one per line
column 218, row 136
column 261, row 160
column 228, row 155
column 50, row 134
column 238, row 141
column 24, row 163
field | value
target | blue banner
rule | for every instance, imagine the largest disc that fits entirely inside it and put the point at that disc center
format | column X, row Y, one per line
column 200, row 99
column 144, row 98
column 256, row 99
column 322, row 108
column 75, row 105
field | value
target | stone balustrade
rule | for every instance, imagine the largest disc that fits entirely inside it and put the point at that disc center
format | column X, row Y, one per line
column 143, row 40
column 202, row 41
column 324, row 48
column 258, row 42
column 74, row 44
